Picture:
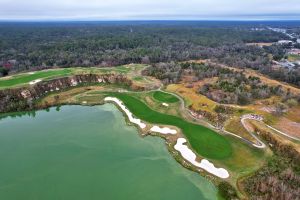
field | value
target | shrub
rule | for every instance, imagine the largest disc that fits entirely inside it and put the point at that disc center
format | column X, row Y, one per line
column 227, row 191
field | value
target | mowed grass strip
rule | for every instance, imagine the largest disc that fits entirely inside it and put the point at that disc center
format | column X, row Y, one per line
column 204, row 141
column 165, row 97
column 26, row 78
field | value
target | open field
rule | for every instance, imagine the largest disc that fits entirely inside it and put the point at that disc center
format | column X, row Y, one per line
column 260, row 44
column 281, row 138
column 287, row 126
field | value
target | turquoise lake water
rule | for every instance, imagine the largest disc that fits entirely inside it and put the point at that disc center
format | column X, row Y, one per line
column 87, row 153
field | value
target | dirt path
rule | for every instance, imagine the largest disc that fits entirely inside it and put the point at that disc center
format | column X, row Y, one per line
column 282, row 133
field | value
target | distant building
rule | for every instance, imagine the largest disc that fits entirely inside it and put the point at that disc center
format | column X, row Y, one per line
column 258, row 29
column 278, row 30
column 287, row 64
column 282, row 42
column 283, row 63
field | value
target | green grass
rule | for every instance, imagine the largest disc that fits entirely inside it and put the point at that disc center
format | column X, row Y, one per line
column 204, row 141
column 26, row 78
column 165, row 97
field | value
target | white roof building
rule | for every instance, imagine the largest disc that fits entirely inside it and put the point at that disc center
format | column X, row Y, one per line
column 285, row 41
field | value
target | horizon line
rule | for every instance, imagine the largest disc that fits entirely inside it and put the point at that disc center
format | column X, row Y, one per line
column 144, row 20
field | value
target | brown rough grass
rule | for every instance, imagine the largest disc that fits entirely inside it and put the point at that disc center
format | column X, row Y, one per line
column 191, row 97
column 287, row 126
column 68, row 95
column 235, row 126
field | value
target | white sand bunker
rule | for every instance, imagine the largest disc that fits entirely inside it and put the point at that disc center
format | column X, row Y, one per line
column 190, row 156
column 165, row 104
column 31, row 73
column 164, row 130
column 127, row 112
column 35, row 81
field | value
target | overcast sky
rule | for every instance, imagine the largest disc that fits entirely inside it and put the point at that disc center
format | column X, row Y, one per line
column 148, row 9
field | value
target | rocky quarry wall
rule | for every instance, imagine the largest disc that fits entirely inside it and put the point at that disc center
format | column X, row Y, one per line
column 19, row 99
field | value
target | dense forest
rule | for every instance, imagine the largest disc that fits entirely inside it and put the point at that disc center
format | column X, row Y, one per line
column 30, row 46
column 231, row 86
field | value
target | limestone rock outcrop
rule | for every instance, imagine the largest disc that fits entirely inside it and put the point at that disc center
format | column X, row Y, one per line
column 19, row 99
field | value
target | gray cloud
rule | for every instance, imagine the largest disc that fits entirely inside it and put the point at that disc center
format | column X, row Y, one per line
column 148, row 9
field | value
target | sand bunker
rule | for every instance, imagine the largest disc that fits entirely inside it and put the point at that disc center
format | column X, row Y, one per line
column 165, row 104
column 127, row 112
column 164, row 130
column 190, row 156
column 35, row 81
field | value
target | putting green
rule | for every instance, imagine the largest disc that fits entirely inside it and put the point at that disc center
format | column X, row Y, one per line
column 204, row 141
column 164, row 97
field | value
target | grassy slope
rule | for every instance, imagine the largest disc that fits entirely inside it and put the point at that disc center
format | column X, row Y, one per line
column 165, row 97
column 204, row 141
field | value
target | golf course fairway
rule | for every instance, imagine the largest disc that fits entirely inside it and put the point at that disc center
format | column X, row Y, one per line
column 204, row 141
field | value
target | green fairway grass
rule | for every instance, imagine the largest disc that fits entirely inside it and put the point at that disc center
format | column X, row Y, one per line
column 26, row 78
column 165, row 97
column 204, row 141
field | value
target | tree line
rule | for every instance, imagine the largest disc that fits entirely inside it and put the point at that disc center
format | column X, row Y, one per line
column 33, row 46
